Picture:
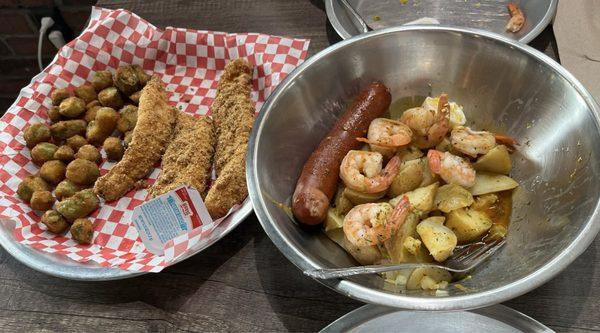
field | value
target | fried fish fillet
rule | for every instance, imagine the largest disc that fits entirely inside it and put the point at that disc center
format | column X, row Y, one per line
column 150, row 137
column 233, row 113
column 188, row 158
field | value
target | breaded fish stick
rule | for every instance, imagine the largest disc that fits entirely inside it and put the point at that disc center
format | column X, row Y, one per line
column 188, row 158
column 233, row 113
column 150, row 138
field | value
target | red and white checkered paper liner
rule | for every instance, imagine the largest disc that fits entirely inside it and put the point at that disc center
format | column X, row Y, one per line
column 189, row 63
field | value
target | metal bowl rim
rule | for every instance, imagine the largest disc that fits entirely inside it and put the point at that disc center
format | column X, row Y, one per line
column 361, row 293
column 342, row 32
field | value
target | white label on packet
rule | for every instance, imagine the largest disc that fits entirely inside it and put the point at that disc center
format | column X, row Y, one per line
column 169, row 215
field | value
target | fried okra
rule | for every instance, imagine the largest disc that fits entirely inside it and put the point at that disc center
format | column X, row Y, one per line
column 72, row 107
column 58, row 95
column 110, row 97
column 54, row 222
column 64, row 153
column 86, row 92
column 42, row 200
column 65, row 189
column 65, row 129
column 141, row 75
column 30, row 185
column 82, row 172
column 127, row 138
column 113, row 148
column 82, row 231
column 81, row 204
column 53, row 171
column 90, row 114
column 127, row 118
column 90, row 153
column 135, row 97
column 54, row 114
column 76, row 142
column 102, row 80
column 43, row 152
column 126, row 80
column 93, row 103
column 36, row 133
column 104, row 124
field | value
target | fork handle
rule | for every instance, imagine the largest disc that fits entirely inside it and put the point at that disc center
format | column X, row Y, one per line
column 332, row 273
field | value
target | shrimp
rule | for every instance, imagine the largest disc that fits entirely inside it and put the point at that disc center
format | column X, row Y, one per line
column 517, row 18
column 429, row 126
column 361, row 171
column 374, row 223
column 389, row 133
column 453, row 169
column 471, row 142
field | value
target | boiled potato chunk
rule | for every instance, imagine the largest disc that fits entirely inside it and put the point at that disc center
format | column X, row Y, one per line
column 408, row 179
column 359, row 198
column 428, row 176
column 439, row 239
column 396, row 246
column 496, row 160
column 451, row 196
column 428, row 278
column 420, row 199
column 468, row 225
column 491, row 182
column 333, row 220
column 409, row 153
column 342, row 204
column 365, row 255
column 337, row 235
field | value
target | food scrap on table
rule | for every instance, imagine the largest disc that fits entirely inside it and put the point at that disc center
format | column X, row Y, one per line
column 517, row 18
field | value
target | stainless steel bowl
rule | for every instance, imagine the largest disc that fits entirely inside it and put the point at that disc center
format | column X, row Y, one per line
column 503, row 86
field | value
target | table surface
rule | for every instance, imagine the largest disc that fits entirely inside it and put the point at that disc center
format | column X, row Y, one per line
column 243, row 283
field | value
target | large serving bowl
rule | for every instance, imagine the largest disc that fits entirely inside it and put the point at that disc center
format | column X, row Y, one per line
column 504, row 86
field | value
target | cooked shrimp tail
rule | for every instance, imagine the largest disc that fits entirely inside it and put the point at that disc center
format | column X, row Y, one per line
column 400, row 213
column 434, row 157
column 517, row 18
column 438, row 130
column 506, row 140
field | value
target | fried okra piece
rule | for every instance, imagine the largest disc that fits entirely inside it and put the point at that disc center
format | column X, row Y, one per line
column 141, row 75
column 58, row 95
column 42, row 200
column 30, row 185
column 93, row 103
column 65, row 129
column 54, row 114
column 90, row 153
column 82, row 231
column 36, row 133
column 90, row 114
column 102, row 80
column 54, row 222
column 81, row 204
column 127, row 138
column 65, row 189
column 64, row 153
column 126, row 80
column 72, row 107
column 53, row 171
column 113, row 148
column 76, row 142
column 110, row 97
column 102, row 127
column 82, row 172
column 135, row 97
column 127, row 118
column 43, row 152
column 86, row 92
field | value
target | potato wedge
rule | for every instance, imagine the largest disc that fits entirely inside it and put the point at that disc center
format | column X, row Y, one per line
column 420, row 199
column 333, row 220
column 468, row 225
column 451, row 196
column 396, row 248
column 359, row 198
column 342, row 204
column 428, row 278
column 491, row 182
column 365, row 255
column 439, row 240
column 409, row 153
column 428, row 176
column 337, row 235
column 496, row 160
column 408, row 179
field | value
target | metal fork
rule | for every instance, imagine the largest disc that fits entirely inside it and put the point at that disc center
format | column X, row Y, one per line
column 358, row 21
column 464, row 259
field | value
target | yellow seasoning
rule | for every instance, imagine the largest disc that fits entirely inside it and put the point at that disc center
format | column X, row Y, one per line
column 376, row 18
column 403, row 2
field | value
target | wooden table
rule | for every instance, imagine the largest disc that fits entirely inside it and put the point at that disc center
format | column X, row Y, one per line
column 243, row 283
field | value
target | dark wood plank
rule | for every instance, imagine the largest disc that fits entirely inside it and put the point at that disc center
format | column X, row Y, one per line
column 243, row 283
